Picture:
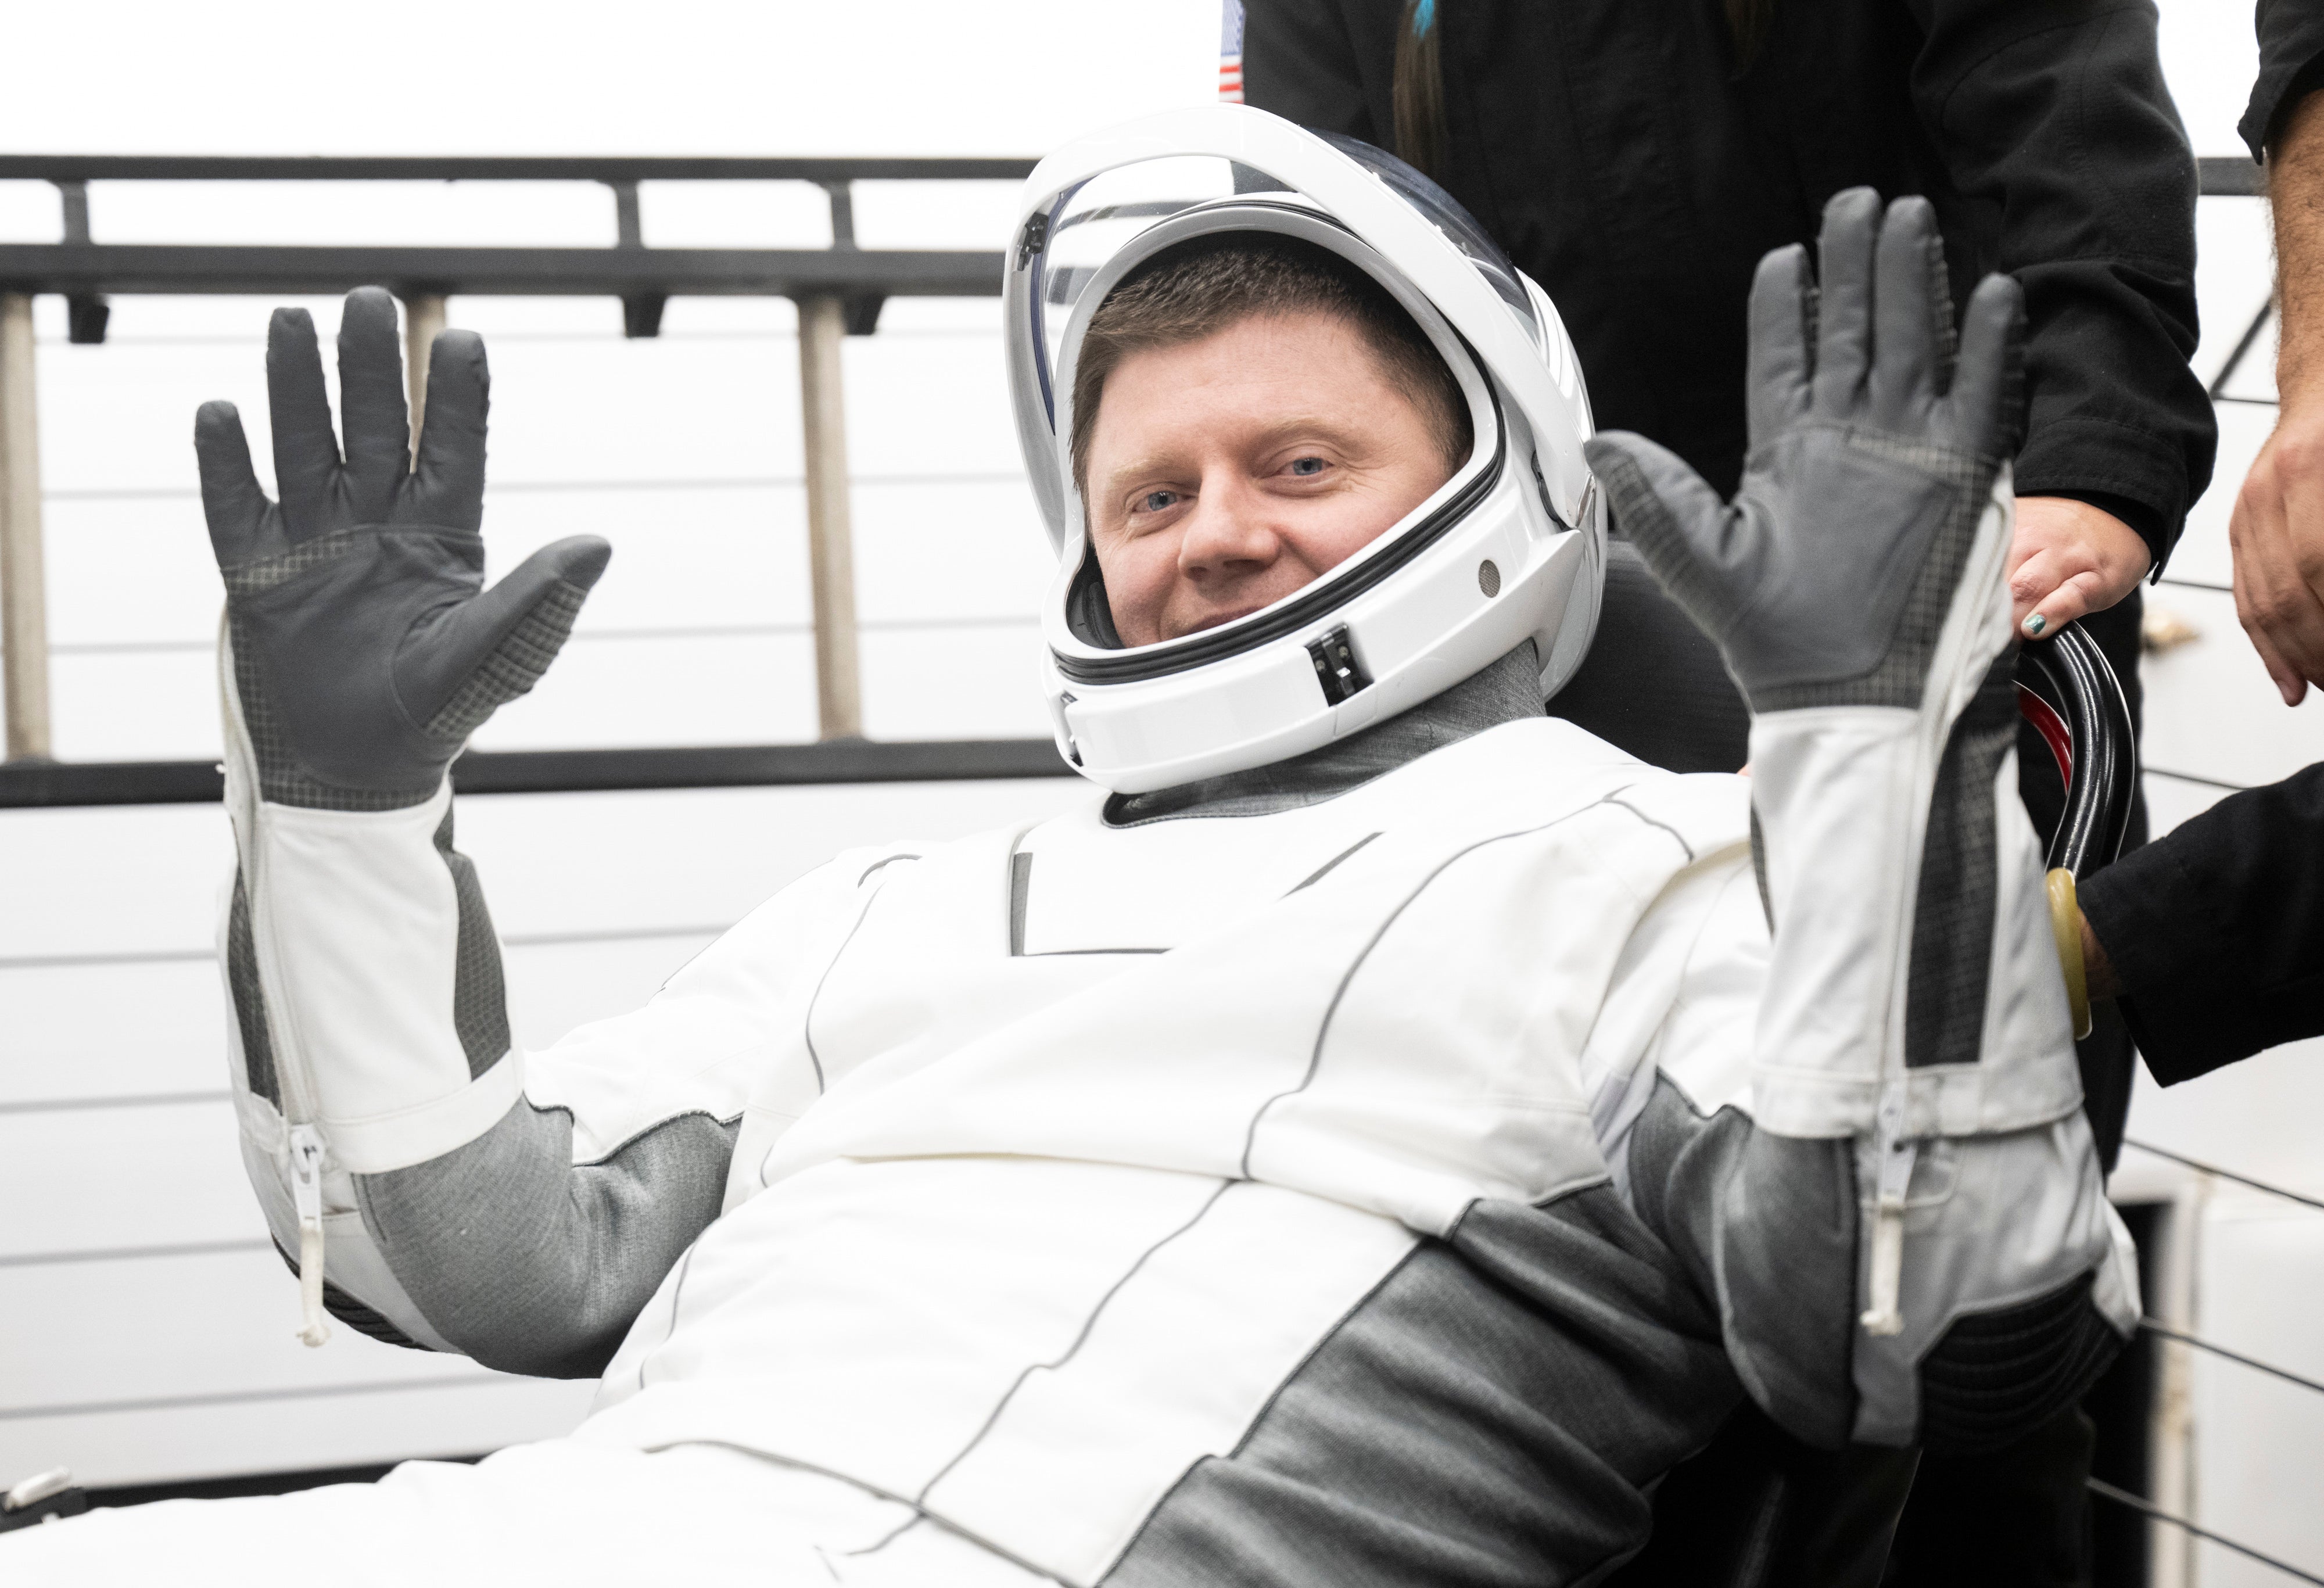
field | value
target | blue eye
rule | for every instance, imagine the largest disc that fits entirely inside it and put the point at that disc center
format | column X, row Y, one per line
column 1307, row 467
column 1156, row 501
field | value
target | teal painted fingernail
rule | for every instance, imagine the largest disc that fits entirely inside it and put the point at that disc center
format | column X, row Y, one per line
column 2036, row 624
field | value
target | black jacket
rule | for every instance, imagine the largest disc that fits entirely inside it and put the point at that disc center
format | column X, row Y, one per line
column 2291, row 67
column 1630, row 165
column 2216, row 930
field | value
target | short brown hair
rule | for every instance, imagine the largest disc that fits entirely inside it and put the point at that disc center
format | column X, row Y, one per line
column 1205, row 284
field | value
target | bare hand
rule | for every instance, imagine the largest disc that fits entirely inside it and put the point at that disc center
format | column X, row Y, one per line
column 2068, row 560
column 2277, row 532
column 2099, row 984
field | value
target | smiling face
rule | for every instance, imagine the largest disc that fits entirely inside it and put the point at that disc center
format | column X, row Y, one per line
column 1225, row 473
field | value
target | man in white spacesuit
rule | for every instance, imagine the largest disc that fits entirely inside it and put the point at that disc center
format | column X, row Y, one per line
column 1370, row 1145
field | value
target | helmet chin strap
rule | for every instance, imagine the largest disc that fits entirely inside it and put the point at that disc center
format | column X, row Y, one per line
column 1504, row 691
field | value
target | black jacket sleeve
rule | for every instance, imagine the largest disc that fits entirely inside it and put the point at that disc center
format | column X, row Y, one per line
column 1324, row 63
column 2054, row 121
column 2216, row 930
column 2291, row 67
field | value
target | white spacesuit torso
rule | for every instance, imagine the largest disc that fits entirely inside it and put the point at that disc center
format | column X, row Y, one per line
column 1154, row 1107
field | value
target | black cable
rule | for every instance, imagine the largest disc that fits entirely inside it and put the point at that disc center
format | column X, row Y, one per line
column 2212, row 1169
column 2081, row 685
column 2123, row 1496
column 2167, row 1332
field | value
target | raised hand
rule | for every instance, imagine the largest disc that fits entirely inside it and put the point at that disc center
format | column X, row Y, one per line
column 364, row 647
column 1873, row 457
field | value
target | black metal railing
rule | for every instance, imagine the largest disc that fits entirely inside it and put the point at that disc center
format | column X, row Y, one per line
column 84, row 271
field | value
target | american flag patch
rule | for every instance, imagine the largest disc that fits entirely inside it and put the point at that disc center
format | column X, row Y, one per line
column 1231, row 51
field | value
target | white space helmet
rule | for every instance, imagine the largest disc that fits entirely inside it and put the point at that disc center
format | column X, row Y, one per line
column 1512, row 546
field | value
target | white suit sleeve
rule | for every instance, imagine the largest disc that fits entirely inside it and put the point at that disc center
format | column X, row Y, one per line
column 437, row 1186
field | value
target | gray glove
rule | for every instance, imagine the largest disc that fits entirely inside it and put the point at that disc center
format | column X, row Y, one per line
column 1872, row 453
column 366, row 649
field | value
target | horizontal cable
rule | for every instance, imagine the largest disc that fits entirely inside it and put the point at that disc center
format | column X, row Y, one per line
column 2165, row 772
column 2216, row 588
column 609, row 935
column 82, row 1409
column 542, row 487
column 134, row 1253
column 2246, row 401
column 44, row 962
column 126, row 1100
column 2212, row 1169
column 892, row 625
column 2123, row 1497
column 51, row 962
column 2167, row 1332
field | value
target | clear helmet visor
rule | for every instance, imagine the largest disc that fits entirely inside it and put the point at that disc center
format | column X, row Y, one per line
column 1096, row 222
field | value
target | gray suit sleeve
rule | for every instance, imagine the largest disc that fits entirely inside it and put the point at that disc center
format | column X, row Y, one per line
column 1771, row 1228
column 531, row 1263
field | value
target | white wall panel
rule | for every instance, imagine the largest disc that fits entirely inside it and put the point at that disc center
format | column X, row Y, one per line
column 2171, row 800
column 2203, row 555
column 2256, row 1437
column 2233, row 237
column 120, row 416
column 2209, row 55
column 570, row 411
column 953, row 546
column 158, row 1328
column 706, row 556
column 179, row 1368
column 2210, row 709
column 136, row 705
column 104, row 1030
column 935, row 214
column 735, row 214
column 295, row 1432
column 30, row 212
column 111, row 878
column 461, row 215
column 2258, row 1117
column 121, row 1178
column 683, row 452
column 556, row 987
column 674, row 689
column 974, row 683
column 131, row 570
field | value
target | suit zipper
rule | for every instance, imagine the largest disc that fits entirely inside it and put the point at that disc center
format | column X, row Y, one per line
column 303, row 1143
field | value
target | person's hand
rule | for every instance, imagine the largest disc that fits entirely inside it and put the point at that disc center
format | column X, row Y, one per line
column 365, row 646
column 2069, row 559
column 2277, row 535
